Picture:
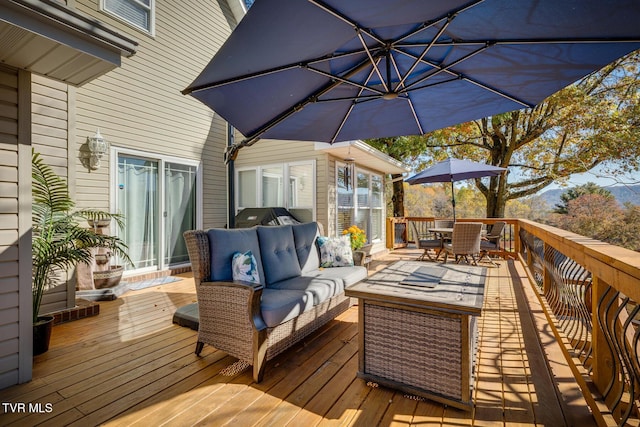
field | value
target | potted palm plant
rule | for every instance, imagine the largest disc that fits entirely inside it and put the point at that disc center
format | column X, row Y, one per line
column 59, row 241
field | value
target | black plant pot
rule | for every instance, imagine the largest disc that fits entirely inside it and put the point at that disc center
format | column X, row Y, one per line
column 42, row 334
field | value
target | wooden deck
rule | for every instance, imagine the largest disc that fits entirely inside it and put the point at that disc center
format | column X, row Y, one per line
column 131, row 366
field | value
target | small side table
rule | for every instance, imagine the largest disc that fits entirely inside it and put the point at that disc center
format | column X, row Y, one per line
column 421, row 338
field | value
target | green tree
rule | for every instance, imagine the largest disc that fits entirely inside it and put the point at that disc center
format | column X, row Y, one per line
column 581, row 190
column 595, row 121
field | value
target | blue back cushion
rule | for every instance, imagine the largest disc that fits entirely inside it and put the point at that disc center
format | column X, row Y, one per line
column 278, row 253
column 223, row 243
column 304, row 236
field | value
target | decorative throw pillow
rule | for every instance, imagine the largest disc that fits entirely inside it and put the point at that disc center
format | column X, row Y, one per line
column 244, row 267
column 335, row 251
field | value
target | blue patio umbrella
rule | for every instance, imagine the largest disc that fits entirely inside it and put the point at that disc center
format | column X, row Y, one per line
column 335, row 70
column 451, row 170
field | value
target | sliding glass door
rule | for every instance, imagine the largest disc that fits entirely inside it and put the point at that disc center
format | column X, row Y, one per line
column 138, row 202
column 159, row 201
column 180, row 210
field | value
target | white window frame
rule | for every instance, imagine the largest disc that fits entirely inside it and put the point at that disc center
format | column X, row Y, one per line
column 355, row 207
column 162, row 160
column 152, row 16
column 285, row 180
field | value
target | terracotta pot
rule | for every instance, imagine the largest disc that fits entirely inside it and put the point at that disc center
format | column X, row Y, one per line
column 42, row 334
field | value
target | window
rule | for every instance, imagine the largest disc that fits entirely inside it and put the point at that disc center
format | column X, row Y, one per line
column 360, row 201
column 248, row 197
column 288, row 185
column 139, row 13
column 345, row 202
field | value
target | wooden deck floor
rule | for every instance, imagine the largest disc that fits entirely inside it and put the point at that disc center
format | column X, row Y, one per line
column 131, row 366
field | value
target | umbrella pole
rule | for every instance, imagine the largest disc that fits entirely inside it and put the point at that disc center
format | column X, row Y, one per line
column 453, row 202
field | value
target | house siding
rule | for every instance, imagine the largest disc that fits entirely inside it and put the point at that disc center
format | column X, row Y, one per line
column 15, row 226
column 51, row 127
column 139, row 106
column 267, row 152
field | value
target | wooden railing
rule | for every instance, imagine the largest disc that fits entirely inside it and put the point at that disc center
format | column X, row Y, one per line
column 591, row 293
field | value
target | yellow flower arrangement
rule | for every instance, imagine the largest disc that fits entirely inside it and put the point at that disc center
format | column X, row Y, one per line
column 357, row 235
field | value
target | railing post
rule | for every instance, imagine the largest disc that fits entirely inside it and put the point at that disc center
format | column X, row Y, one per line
column 602, row 363
column 516, row 238
column 391, row 232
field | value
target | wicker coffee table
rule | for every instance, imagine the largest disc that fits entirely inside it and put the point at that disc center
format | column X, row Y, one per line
column 418, row 331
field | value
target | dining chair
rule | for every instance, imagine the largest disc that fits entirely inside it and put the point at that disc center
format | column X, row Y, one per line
column 465, row 242
column 491, row 242
column 444, row 223
column 425, row 243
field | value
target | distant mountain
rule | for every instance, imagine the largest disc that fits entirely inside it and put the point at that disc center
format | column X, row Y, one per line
column 622, row 193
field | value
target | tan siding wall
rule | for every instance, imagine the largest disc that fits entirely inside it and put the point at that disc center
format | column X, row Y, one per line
column 139, row 106
column 15, row 226
column 9, row 248
column 49, row 114
column 50, row 134
column 267, row 152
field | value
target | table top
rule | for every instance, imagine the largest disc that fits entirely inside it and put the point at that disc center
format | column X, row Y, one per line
column 445, row 230
column 441, row 230
column 445, row 287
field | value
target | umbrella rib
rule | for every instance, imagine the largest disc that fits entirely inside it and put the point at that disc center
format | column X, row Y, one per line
column 351, row 107
column 515, row 42
column 397, row 70
column 274, row 70
column 413, row 110
column 255, row 135
column 414, row 86
column 415, row 115
column 426, row 49
column 344, row 80
column 322, row 5
column 429, row 24
column 373, row 62
column 249, row 76
column 441, row 68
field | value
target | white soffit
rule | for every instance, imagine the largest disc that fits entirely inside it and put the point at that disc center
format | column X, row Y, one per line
column 50, row 39
column 364, row 155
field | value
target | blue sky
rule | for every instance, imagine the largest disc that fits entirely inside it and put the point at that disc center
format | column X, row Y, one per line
column 600, row 177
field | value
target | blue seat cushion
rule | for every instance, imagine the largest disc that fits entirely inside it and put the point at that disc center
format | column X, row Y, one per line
column 278, row 305
column 348, row 275
column 278, row 253
column 224, row 243
column 320, row 288
column 304, row 236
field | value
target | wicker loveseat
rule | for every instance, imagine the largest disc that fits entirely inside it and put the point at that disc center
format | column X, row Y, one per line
column 255, row 322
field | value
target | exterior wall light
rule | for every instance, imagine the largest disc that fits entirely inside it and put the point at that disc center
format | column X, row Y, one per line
column 98, row 147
